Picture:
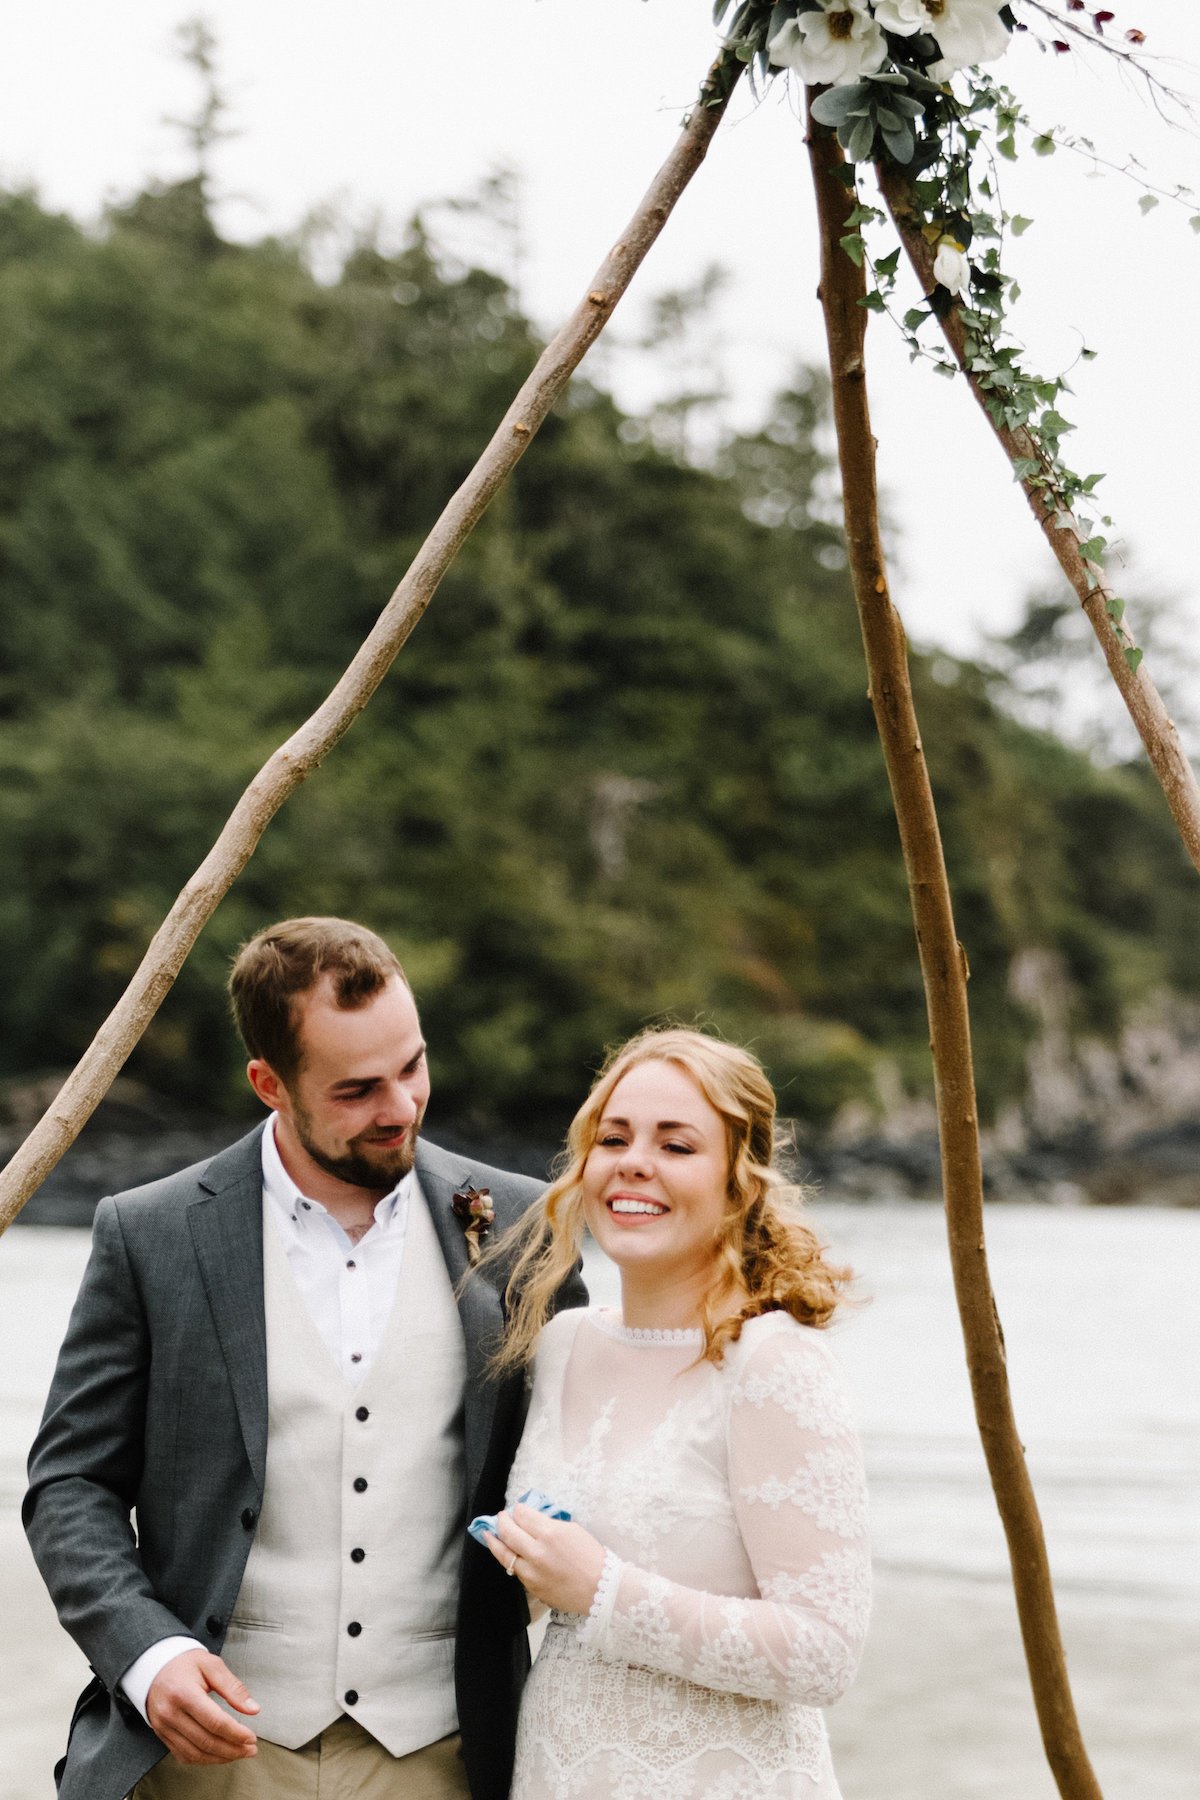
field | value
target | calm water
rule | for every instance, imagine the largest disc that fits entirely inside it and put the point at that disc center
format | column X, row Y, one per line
column 1103, row 1335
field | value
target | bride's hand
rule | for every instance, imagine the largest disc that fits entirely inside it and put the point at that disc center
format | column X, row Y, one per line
column 555, row 1561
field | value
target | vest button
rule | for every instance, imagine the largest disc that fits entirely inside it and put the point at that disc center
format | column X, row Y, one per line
column 213, row 1624
column 249, row 1516
column 362, row 1414
column 360, row 1484
column 351, row 1696
column 354, row 1629
column 357, row 1555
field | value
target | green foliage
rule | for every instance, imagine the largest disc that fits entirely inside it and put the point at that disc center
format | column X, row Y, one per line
column 625, row 768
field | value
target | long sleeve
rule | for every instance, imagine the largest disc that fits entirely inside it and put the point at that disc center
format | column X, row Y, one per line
column 86, row 1465
column 797, row 1489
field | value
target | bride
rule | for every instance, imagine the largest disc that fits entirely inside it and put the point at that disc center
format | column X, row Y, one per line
column 711, row 1591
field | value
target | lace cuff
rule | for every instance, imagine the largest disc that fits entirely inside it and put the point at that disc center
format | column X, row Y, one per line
column 592, row 1628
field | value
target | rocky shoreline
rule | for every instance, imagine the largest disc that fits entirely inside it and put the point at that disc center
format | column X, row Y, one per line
column 137, row 1136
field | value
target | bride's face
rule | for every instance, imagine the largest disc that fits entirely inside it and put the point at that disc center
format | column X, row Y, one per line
column 654, row 1184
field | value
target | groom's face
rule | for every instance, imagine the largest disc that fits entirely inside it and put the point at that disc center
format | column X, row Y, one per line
column 358, row 1098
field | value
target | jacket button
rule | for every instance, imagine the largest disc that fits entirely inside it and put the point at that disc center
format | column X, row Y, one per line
column 360, row 1484
column 362, row 1414
column 354, row 1629
column 249, row 1518
column 351, row 1696
column 357, row 1555
column 213, row 1624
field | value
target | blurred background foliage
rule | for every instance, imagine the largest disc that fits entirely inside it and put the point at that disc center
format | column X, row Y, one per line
column 625, row 767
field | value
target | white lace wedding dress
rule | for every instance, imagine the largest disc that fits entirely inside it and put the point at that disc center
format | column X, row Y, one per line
column 735, row 1593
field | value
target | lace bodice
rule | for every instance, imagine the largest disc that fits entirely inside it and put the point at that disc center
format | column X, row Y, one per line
column 735, row 1592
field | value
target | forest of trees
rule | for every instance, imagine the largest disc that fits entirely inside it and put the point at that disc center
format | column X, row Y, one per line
column 626, row 766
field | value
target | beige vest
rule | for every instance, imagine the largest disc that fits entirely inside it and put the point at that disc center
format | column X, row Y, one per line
column 318, row 1629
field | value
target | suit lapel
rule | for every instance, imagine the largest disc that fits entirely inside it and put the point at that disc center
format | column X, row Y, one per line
column 226, row 1227
column 479, row 1305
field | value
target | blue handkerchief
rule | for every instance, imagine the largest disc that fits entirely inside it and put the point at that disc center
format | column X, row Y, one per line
column 531, row 1497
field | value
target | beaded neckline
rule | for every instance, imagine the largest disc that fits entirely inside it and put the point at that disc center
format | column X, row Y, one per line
column 611, row 1322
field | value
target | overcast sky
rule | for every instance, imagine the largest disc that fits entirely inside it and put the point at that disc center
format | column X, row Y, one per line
column 382, row 105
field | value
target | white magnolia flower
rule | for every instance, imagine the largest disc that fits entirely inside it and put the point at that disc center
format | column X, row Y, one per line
column 967, row 32
column 904, row 17
column 839, row 44
column 950, row 266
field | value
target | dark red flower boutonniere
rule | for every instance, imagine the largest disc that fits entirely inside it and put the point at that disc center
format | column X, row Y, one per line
column 475, row 1212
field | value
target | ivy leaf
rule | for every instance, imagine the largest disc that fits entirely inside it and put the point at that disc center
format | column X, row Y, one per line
column 1133, row 657
column 1019, row 225
column 852, row 244
column 1044, row 145
column 1115, row 609
column 915, row 318
column 1147, row 203
column 887, row 265
column 874, row 301
column 1090, row 483
column 1194, row 221
column 1093, row 549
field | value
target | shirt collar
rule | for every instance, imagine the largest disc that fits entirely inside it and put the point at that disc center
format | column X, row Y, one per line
column 295, row 1209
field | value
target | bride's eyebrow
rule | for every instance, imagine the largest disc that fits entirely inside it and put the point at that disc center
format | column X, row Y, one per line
column 663, row 1124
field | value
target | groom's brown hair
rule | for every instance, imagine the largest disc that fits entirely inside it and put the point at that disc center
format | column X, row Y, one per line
column 282, row 963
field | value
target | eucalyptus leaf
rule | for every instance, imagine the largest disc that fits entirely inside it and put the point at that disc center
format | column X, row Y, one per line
column 861, row 137
column 837, row 103
column 900, row 143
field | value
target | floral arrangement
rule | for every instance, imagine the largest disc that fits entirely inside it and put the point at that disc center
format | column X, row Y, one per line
column 475, row 1211
column 904, row 86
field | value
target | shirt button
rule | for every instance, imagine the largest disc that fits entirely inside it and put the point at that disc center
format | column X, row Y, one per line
column 360, row 1484
column 352, row 1265
column 351, row 1696
column 306, row 1206
column 362, row 1415
column 356, row 1356
column 354, row 1629
column 357, row 1555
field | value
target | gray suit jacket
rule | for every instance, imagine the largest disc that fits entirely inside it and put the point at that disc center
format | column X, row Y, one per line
column 159, row 1407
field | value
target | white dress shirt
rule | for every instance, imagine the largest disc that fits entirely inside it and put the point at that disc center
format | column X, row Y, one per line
column 348, row 1291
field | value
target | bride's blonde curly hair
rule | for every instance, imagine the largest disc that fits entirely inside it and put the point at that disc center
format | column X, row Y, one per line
column 763, row 1249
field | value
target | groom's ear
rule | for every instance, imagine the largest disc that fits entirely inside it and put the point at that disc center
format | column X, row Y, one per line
column 266, row 1084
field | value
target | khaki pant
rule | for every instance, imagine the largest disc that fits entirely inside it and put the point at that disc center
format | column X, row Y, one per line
column 344, row 1763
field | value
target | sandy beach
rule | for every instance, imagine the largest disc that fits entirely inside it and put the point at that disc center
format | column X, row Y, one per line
column 941, row 1709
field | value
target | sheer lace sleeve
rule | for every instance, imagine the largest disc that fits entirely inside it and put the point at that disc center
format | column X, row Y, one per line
column 796, row 1483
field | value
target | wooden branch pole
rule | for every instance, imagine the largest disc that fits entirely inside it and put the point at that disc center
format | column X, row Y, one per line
column 944, row 972
column 1155, row 726
column 89, row 1081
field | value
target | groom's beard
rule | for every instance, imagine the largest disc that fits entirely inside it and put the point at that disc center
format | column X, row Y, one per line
column 361, row 1164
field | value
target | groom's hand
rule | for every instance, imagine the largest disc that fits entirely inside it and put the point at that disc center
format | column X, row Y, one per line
column 193, row 1727
column 555, row 1561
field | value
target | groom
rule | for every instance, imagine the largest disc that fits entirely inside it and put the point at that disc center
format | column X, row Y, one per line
column 270, row 1365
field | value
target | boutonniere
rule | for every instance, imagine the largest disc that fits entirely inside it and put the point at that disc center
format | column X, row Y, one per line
column 476, row 1214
